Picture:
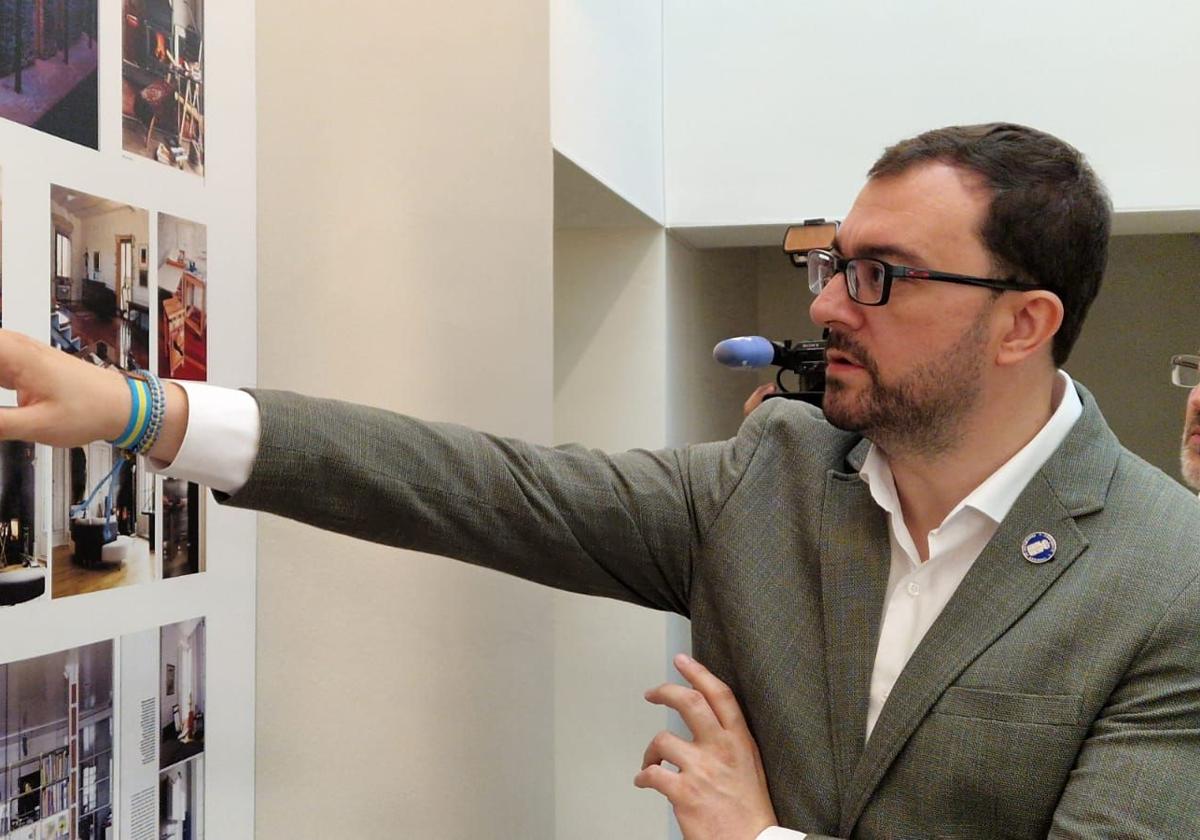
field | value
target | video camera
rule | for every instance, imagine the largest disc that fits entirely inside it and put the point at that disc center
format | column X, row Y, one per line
column 804, row 359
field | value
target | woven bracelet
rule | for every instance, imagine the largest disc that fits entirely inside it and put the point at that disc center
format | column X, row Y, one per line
column 139, row 415
column 157, row 414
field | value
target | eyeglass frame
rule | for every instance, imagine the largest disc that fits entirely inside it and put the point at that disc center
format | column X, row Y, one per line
column 890, row 272
column 1184, row 361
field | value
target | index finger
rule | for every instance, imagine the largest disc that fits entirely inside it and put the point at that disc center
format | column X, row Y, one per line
column 720, row 696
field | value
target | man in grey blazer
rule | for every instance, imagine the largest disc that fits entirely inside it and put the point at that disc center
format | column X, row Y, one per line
column 951, row 606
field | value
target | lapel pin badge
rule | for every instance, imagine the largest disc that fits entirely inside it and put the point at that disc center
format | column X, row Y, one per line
column 1039, row 547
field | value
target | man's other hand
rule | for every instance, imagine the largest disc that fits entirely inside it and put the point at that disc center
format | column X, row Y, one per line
column 720, row 790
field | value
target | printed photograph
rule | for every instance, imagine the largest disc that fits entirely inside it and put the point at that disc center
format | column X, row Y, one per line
column 103, row 505
column 163, row 81
column 48, row 60
column 56, row 745
column 183, row 528
column 182, row 299
column 181, row 750
column 22, row 561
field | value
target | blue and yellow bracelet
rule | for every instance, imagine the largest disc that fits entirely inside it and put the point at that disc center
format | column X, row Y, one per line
column 148, row 409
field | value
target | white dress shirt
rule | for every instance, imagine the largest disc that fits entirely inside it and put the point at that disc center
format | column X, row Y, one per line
column 222, row 440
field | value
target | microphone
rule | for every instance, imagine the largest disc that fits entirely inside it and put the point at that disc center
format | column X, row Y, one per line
column 749, row 351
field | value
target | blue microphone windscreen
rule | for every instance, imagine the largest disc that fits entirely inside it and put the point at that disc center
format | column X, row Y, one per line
column 745, row 351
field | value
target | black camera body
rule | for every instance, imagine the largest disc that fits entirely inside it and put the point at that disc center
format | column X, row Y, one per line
column 805, row 359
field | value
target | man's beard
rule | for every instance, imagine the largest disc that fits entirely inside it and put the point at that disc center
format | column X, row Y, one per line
column 922, row 412
column 1189, row 458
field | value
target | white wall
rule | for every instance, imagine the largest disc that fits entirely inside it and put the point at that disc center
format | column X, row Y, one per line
column 610, row 381
column 775, row 110
column 606, row 94
column 99, row 233
column 405, row 260
column 175, row 233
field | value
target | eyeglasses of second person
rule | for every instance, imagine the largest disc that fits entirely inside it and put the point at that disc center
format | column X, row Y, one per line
column 1185, row 371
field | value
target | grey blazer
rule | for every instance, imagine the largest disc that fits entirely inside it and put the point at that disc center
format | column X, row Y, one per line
column 1060, row 699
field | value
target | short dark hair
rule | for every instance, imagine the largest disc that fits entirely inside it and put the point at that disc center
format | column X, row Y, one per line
column 1049, row 219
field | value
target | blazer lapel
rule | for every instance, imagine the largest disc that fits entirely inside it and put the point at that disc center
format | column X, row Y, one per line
column 854, row 556
column 1000, row 587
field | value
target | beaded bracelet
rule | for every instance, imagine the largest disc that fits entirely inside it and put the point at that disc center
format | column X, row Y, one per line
column 158, row 413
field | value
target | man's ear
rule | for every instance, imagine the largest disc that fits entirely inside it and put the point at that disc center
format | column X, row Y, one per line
column 1033, row 320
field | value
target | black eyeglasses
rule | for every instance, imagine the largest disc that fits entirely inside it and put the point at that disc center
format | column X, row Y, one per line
column 869, row 281
column 1185, row 371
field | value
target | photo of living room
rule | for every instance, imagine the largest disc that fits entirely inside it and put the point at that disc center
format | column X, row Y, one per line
column 163, row 81
column 181, row 751
column 100, row 279
column 103, row 507
column 182, row 299
column 56, row 745
column 22, row 560
column 48, row 60
column 102, row 531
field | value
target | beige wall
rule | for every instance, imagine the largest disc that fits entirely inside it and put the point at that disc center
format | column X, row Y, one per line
column 1147, row 311
column 404, row 229
column 712, row 296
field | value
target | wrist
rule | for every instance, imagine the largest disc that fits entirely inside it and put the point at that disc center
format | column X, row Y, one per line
column 118, row 404
column 174, row 426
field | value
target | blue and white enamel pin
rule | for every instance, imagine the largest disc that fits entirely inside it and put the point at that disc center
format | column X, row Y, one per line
column 1039, row 547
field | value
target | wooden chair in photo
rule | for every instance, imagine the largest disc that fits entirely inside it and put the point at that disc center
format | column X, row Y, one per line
column 174, row 332
column 157, row 101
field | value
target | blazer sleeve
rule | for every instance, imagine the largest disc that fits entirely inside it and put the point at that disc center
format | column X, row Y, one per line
column 1138, row 774
column 624, row 525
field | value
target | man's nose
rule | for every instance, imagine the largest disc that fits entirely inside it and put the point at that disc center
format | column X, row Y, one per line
column 834, row 305
column 1194, row 400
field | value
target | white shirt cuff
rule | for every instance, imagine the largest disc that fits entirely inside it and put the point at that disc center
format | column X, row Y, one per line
column 221, row 440
column 777, row 833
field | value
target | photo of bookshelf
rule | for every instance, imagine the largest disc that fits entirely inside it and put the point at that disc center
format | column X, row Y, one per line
column 56, row 745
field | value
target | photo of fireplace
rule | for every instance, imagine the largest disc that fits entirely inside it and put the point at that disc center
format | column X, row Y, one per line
column 163, row 81
column 22, row 565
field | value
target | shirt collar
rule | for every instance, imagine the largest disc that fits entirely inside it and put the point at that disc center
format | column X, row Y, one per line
column 999, row 491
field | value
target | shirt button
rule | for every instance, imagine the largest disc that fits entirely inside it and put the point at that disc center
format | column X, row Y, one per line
column 914, row 588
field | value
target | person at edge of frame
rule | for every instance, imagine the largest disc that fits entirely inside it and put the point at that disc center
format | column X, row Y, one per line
column 1185, row 372
column 951, row 605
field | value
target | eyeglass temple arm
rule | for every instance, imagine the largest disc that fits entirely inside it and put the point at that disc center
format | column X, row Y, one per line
column 918, row 273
